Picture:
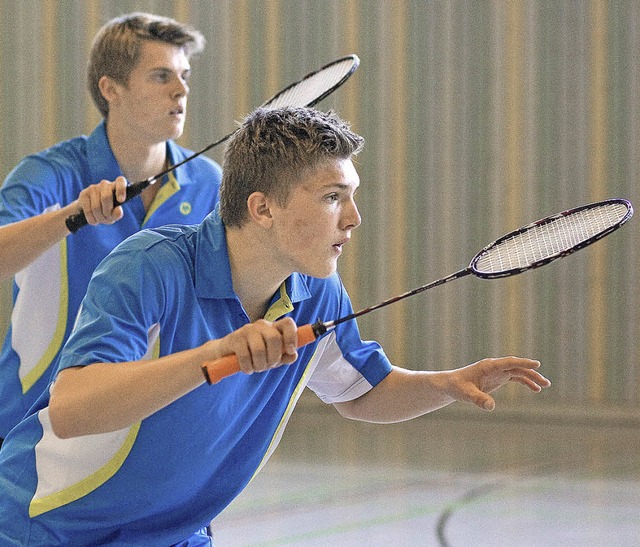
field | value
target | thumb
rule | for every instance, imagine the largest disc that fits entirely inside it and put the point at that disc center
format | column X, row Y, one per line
column 473, row 394
column 121, row 189
column 485, row 402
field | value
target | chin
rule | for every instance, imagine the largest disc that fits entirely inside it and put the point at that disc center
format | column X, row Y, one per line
column 177, row 132
column 323, row 273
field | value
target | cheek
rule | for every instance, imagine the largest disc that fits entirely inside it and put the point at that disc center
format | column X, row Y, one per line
column 300, row 243
column 143, row 97
column 310, row 229
column 137, row 108
column 300, row 237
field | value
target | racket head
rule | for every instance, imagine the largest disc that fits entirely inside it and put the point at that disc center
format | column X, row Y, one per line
column 316, row 85
column 550, row 238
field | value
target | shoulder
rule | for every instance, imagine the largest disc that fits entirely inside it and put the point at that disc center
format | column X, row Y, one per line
column 161, row 249
column 149, row 265
column 49, row 177
column 65, row 156
column 172, row 238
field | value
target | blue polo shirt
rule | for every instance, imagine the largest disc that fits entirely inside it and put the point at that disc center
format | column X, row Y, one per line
column 158, row 481
column 47, row 294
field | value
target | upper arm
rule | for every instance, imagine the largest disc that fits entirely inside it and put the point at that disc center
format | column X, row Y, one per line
column 369, row 404
column 118, row 317
column 345, row 365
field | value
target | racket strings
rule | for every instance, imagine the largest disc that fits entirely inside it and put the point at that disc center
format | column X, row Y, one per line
column 312, row 88
column 540, row 242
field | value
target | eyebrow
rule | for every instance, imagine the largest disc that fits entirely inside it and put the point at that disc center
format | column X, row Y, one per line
column 166, row 69
column 340, row 186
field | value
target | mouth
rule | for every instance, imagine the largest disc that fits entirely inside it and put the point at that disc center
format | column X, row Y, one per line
column 338, row 246
column 177, row 111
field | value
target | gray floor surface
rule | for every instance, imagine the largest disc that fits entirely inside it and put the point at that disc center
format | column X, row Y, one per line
column 448, row 479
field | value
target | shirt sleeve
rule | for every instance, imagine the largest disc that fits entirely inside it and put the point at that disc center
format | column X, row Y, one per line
column 29, row 189
column 122, row 306
column 345, row 366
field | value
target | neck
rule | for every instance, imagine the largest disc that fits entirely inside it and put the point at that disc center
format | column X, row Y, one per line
column 138, row 160
column 255, row 278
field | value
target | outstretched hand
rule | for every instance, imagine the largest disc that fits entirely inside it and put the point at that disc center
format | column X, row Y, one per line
column 474, row 382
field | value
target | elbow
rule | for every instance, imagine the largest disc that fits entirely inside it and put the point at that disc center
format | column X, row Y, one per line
column 63, row 416
column 351, row 411
column 343, row 409
column 61, row 425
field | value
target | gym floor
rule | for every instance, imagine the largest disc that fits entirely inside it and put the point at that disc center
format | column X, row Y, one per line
column 457, row 477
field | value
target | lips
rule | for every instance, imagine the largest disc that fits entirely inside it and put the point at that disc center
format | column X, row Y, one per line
column 341, row 243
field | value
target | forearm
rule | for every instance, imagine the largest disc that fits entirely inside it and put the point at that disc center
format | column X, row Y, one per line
column 107, row 397
column 404, row 394
column 401, row 396
column 23, row 242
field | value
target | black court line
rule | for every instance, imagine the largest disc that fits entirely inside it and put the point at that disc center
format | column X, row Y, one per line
column 469, row 496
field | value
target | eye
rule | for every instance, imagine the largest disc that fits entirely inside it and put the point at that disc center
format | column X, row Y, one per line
column 332, row 198
column 161, row 76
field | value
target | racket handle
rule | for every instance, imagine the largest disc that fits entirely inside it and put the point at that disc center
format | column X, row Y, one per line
column 79, row 220
column 217, row 370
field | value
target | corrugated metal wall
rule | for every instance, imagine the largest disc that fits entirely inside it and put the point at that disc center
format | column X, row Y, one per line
column 480, row 116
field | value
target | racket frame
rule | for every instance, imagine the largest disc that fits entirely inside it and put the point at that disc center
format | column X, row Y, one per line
column 560, row 254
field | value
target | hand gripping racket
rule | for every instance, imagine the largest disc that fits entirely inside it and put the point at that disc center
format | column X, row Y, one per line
column 524, row 249
column 308, row 91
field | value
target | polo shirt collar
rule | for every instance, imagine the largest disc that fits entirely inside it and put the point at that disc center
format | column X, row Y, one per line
column 103, row 164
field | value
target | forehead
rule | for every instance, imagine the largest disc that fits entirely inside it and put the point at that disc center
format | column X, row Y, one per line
column 155, row 54
column 340, row 174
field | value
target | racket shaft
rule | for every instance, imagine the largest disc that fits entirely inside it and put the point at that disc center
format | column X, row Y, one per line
column 77, row 221
column 217, row 370
column 393, row 300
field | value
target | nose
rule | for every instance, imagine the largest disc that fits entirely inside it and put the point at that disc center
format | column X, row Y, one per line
column 181, row 88
column 352, row 218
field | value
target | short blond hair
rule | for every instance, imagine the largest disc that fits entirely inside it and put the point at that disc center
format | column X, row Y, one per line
column 115, row 51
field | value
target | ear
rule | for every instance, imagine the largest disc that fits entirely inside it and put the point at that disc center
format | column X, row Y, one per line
column 259, row 209
column 109, row 88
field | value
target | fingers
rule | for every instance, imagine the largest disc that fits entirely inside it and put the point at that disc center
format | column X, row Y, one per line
column 520, row 370
column 484, row 377
column 529, row 378
column 96, row 201
column 289, row 332
column 524, row 372
column 514, row 362
column 264, row 345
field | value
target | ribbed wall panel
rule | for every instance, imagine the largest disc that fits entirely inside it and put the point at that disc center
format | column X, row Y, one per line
column 479, row 117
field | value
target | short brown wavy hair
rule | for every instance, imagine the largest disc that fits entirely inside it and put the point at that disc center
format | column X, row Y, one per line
column 274, row 149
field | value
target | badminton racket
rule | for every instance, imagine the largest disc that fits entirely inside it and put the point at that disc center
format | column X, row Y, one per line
column 524, row 249
column 308, row 91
